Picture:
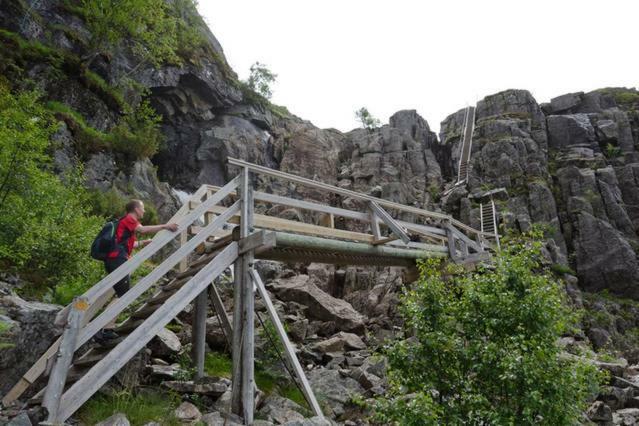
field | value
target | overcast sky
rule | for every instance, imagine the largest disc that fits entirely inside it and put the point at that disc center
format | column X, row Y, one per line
column 333, row 57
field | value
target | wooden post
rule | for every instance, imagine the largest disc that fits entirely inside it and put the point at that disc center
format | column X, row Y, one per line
column 243, row 391
column 198, row 334
column 289, row 350
column 248, row 302
column 452, row 250
column 58, row 376
column 216, row 301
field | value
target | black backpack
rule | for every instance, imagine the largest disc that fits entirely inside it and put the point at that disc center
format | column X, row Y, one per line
column 105, row 242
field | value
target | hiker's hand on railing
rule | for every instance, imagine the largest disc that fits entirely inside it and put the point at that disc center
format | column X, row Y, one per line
column 146, row 242
column 171, row 227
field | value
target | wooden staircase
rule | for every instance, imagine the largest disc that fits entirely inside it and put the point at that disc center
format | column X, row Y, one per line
column 206, row 251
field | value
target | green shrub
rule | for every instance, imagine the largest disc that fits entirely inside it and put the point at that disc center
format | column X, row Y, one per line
column 482, row 348
column 612, row 151
column 138, row 133
column 45, row 227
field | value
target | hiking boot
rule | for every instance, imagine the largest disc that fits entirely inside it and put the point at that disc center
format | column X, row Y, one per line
column 103, row 335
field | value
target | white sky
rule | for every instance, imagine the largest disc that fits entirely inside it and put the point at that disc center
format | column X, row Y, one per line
column 333, row 57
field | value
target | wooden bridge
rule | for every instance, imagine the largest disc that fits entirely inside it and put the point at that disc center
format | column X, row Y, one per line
column 219, row 228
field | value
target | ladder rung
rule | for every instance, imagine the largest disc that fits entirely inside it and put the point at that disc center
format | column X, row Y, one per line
column 89, row 359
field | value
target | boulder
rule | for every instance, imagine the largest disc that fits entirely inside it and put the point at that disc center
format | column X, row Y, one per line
column 598, row 337
column 311, row 421
column 217, row 419
column 340, row 342
column 210, row 386
column 165, row 344
column 599, row 412
column 320, row 305
column 626, row 417
column 163, row 372
column 280, row 410
column 29, row 331
column 570, row 130
column 335, row 387
column 118, row 419
column 187, row 413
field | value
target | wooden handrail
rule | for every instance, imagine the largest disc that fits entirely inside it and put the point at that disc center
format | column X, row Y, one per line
column 352, row 194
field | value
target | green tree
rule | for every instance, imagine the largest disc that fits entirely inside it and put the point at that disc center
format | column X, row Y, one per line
column 482, row 348
column 260, row 80
column 145, row 25
column 367, row 120
column 45, row 229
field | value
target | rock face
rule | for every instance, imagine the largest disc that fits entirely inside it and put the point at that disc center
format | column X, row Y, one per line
column 27, row 331
column 568, row 165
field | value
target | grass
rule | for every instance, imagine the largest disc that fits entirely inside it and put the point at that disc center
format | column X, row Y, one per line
column 90, row 138
column 139, row 408
column 4, row 329
column 110, row 95
column 220, row 365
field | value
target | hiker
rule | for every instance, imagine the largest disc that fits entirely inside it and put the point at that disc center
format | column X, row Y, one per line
column 125, row 239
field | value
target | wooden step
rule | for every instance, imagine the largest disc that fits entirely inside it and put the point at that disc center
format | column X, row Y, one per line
column 145, row 311
column 160, row 298
column 89, row 359
column 128, row 326
column 175, row 284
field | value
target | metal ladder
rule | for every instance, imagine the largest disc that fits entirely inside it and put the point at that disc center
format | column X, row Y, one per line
column 488, row 219
column 467, row 142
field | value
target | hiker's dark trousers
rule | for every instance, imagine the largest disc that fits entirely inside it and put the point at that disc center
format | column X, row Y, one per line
column 123, row 285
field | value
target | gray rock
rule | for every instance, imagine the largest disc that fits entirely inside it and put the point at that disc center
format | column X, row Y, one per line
column 604, row 260
column 217, row 419
column 187, row 412
column 210, row 386
column 281, row 410
column 163, row 372
column 320, row 304
column 31, row 331
column 165, row 344
column 311, row 421
column 335, row 389
column 566, row 102
column 598, row 337
column 626, row 417
column 340, row 342
column 118, row 419
column 599, row 412
column 570, row 130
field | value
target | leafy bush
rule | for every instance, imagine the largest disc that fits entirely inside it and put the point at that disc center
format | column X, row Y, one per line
column 138, row 133
column 483, row 348
column 45, row 228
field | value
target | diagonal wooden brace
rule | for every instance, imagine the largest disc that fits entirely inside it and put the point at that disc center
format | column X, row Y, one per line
column 389, row 221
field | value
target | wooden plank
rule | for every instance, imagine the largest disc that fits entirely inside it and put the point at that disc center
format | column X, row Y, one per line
column 383, row 241
column 218, row 305
column 97, row 376
column 262, row 240
column 389, row 221
column 145, row 283
column 452, row 250
column 198, row 334
column 289, row 350
column 461, row 236
column 277, row 224
column 58, row 376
